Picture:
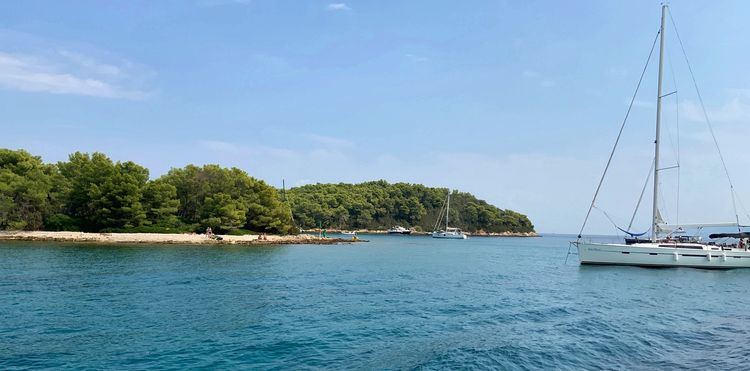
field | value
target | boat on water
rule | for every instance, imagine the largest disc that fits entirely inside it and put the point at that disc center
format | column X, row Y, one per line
column 448, row 232
column 349, row 233
column 399, row 230
column 668, row 245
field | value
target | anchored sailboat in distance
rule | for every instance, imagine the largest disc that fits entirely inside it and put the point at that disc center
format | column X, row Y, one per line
column 668, row 245
column 449, row 233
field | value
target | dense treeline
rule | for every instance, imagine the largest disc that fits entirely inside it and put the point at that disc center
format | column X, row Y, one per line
column 380, row 205
column 90, row 192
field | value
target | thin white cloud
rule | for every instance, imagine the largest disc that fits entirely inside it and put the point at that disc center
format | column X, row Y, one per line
column 542, row 80
column 338, row 7
column 220, row 146
column 71, row 73
column 640, row 103
column 617, row 72
column 269, row 65
column 329, row 141
column 229, row 148
column 322, row 147
column 213, row 3
column 417, row 58
column 735, row 110
column 91, row 64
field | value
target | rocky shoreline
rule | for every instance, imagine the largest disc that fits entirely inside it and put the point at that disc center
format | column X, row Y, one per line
column 505, row 234
column 308, row 237
column 173, row 239
column 415, row 233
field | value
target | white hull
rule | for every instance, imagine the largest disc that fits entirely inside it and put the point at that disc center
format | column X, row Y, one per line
column 399, row 230
column 448, row 235
column 657, row 255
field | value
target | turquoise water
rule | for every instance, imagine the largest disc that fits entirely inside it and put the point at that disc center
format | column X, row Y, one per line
column 396, row 302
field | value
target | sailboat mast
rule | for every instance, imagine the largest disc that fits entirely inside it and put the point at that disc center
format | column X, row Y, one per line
column 655, row 218
column 447, row 209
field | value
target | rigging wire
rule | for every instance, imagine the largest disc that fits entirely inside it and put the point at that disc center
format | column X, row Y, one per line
column 674, row 82
column 617, row 227
column 677, row 125
column 440, row 214
column 619, row 135
column 643, row 191
column 708, row 123
column 608, row 217
column 663, row 208
column 743, row 207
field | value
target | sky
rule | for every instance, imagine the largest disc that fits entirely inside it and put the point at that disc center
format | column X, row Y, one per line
column 517, row 102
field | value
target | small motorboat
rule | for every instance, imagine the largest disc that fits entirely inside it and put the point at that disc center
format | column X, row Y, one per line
column 399, row 230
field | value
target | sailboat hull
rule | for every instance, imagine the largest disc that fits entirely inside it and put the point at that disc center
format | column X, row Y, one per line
column 449, row 235
column 654, row 255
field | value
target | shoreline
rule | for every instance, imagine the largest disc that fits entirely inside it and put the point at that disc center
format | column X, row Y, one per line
column 166, row 238
column 306, row 237
column 415, row 233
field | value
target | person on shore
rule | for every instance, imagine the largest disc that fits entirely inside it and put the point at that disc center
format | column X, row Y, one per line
column 209, row 232
column 325, row 234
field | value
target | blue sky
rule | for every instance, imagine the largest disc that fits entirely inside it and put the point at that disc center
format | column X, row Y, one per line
column 517, row 102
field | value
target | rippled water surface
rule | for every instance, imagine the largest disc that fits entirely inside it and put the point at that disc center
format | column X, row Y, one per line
column 393, row 303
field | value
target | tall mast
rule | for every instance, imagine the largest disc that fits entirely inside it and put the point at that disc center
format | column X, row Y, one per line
column 654, row 223
column 447, row 210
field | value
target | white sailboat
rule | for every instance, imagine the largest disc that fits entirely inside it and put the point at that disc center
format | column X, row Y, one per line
column 449, row 232
column 668, row 246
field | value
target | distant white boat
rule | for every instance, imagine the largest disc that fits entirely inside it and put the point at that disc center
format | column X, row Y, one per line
column 399, row 230
column 667, row 245
column 449, row 232
column 350, row 233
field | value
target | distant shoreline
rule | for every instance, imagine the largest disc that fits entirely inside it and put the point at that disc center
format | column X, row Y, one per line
column 415, row 233
column 165, row 238
column 307, row 237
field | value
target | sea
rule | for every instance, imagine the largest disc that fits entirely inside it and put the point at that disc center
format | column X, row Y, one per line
column 393, row 303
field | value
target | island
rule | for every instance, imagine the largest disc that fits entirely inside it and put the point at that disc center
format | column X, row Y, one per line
column 90, row 197
column 373, row 207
